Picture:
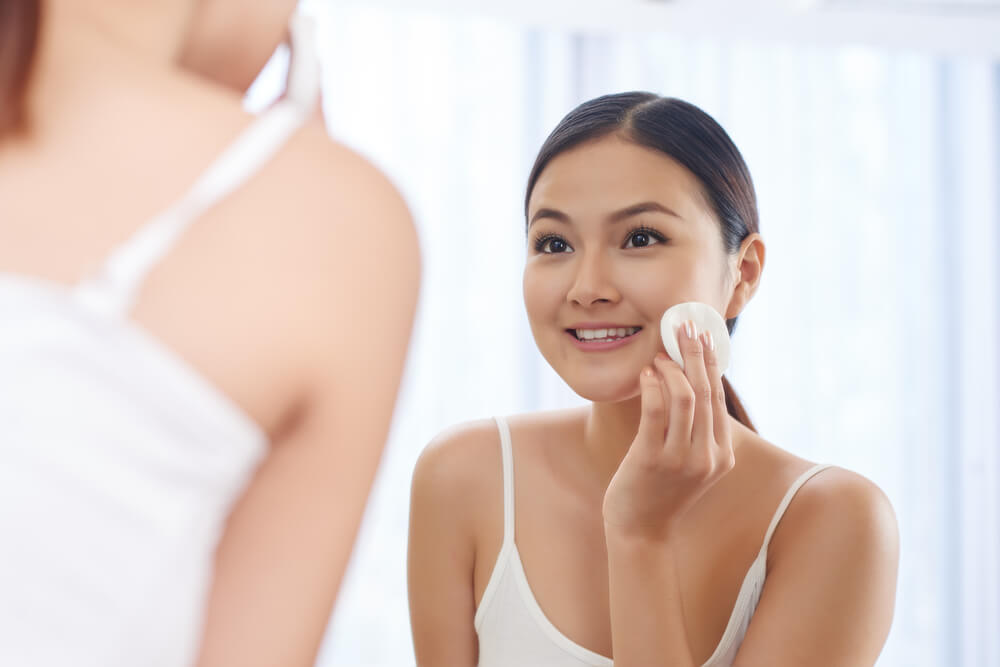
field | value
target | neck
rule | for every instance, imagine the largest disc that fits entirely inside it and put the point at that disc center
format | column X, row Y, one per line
column 89, row 54
column 151, row 32
column 608, row 433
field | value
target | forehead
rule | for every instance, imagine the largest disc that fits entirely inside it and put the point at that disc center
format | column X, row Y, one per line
column 610, row 173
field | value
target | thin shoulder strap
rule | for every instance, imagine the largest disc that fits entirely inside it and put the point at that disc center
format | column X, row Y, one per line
column 792, row 490
column 114, row 286
column 507, row 456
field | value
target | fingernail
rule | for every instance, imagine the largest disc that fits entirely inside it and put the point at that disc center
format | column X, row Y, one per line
column 647, row 371
column 707, row 340
column 689, row 329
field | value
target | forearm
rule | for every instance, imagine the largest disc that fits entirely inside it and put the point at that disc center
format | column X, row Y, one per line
column 647, row 617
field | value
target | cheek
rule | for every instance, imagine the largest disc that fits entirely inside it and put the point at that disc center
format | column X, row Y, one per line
column 710, row 282
column 684, row 276
column 652, row 288
column 540, row 296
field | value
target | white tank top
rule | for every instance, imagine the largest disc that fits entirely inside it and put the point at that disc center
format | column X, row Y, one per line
column 119, row 462
column 513, row 629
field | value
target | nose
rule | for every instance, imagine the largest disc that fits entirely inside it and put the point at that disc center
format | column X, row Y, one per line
column 592, row 283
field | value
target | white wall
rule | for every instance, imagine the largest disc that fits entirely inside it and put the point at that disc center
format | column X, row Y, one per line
column 970, row 27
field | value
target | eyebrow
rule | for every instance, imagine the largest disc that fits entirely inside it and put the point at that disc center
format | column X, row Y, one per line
column 617, row 216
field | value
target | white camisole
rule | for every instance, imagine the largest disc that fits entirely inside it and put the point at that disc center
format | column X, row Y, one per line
column 119, row 462
column 514, row 631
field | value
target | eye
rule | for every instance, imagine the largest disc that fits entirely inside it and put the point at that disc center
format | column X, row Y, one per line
column 643, row 237
column 552, row 245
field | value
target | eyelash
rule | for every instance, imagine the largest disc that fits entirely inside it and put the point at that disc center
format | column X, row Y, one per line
column 652, row 233
column 541, row 241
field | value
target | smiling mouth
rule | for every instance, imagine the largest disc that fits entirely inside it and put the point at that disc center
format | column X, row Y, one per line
column 603, row 335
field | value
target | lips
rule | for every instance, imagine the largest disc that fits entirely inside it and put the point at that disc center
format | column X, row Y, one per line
column 603, row 333
column 601, row 336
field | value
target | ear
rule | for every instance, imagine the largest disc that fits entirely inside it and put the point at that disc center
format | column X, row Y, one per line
column 748, row 267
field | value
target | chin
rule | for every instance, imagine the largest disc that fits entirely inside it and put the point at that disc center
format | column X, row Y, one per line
column 607, row 390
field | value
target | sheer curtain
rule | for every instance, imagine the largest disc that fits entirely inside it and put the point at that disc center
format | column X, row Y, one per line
column 872, row 343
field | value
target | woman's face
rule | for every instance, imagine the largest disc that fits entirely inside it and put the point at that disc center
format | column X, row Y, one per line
column 618, row 233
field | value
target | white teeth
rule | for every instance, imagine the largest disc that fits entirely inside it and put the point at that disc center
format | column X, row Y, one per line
column 605, row 334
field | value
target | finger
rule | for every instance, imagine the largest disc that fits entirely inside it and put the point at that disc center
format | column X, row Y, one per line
column 720, row 415
column 652, row 421
column 681, row 406
column 693, row 352
column 665, row 391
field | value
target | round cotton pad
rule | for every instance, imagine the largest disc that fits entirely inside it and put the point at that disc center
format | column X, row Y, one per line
column 705, row 318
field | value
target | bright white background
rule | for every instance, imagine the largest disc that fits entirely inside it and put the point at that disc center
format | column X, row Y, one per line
column 872, row 343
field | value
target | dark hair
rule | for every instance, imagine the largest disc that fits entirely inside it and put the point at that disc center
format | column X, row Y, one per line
column 692, row 138
column 19, row 27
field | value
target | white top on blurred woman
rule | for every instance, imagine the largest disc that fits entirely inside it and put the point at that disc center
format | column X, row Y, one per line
column 200, row 340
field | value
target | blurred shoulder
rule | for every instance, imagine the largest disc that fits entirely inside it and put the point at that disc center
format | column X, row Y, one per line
column 306, row 198
column 341, row 248
column 335, row 188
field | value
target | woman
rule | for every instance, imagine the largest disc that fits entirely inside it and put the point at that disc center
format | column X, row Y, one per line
column 654, row 526
column 199, row 352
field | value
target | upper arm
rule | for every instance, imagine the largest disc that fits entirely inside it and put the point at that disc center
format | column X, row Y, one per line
column 347, row 302
column 831, row 582
column 447, row 488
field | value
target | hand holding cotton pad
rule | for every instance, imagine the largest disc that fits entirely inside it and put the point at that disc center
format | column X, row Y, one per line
column 705, row 318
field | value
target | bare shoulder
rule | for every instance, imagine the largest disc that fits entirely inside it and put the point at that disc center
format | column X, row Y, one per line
column 834, row 505
column 449, row 507
column 458, row 477
column 842, row 509
column 832, row 568
column 313, row 185
column 460, row 459
column 342, row 255
column 471, row 451
column 844, row 499
column 460, row 472
column 349, row 228
column 331, row 189
column 335, row 169
column 316, row 228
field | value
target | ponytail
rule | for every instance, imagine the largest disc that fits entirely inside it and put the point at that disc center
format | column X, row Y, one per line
column 19, row 28
column 735, row 407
